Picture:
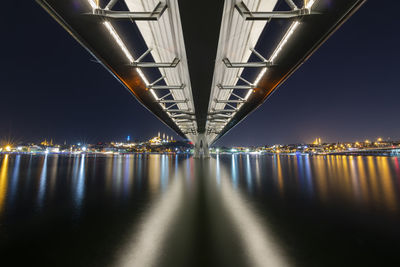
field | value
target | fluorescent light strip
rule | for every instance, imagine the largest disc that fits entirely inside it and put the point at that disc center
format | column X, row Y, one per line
column 141, row 74
column 128, row 55
column 285, row 39
column 93, row 4
column 283, row 42
column 154, row 94
column 248, row 94
column 310, row 4
column 260, row 75
column 116, row 37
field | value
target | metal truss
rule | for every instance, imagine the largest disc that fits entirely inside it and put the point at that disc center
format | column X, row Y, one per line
column 179, row 116
column 264, row 63
column 294, row 13
column 233, row 105
column 108, row 13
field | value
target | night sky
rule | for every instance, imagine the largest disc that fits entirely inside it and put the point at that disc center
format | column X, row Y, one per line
column 348, row 90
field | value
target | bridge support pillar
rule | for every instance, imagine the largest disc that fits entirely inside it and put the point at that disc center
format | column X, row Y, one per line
column 201, row 147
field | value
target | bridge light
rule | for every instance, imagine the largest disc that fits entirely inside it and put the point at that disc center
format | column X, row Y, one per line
column 310, row 4
column 116, row 37
column 154, row 94
column 264, row 70
column 248, row 94
column 93, row 4
column 141, row 74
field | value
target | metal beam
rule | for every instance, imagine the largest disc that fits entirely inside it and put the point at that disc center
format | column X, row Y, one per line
column 250, row 15
column 183, row 111
column 235, row 87
column 111, row 4
column 262, row 64
column 223, row 111
column 173, row 64
column 172, row 101
column 230, row 101
column 167, row 87
column 165, row 96
column 156, row 81
column 182, row 116
column 218, row 120
column 291, row 4
column 218, row 116
column 184, row 120
column 152, row 15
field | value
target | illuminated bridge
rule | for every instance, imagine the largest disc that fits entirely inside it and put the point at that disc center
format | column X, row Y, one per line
column 201, row 81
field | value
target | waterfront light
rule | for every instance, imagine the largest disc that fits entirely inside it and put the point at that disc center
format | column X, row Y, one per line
column 8, row 148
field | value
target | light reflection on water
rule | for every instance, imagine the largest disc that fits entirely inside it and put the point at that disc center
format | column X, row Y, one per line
column 369, row 181
column 150, row 194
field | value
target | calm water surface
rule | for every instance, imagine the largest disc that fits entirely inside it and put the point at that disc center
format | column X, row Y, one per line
column 230, row 210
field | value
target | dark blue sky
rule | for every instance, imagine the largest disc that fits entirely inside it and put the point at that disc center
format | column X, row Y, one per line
column 348, row 90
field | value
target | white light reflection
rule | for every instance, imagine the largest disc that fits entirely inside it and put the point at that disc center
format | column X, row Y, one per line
column 145, row 244
column 164, row 172
column 309, row 178
column 234, row 170
column 80, row 187
column 249, row 177
column 42, row 183
column 259, row 243
column 117, row 175
column 15, row 178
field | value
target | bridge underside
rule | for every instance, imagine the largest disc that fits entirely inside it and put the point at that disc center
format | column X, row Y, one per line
column 234, row 56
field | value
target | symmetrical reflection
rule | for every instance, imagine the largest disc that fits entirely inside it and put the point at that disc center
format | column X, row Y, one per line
column 261, row 247
column 369, row 181
column 159, row 190
column 145, row 243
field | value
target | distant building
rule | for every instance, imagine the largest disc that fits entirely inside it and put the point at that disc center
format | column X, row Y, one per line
column 155, row 141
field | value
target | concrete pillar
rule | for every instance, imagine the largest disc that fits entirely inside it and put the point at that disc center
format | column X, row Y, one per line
column 201, row 147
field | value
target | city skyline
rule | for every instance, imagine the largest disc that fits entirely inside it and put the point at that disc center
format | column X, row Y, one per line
column 344, row 96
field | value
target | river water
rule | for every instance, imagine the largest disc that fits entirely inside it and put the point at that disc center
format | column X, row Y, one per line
column 230, row 210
